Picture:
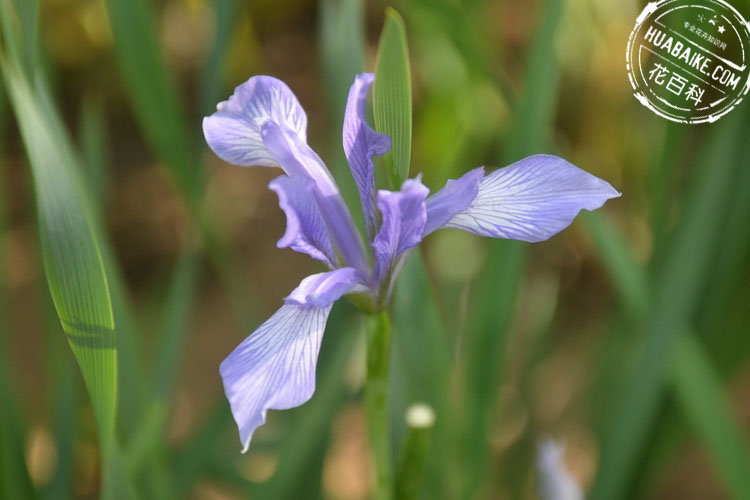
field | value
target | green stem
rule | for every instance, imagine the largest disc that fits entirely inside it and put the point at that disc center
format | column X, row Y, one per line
column 376, row 400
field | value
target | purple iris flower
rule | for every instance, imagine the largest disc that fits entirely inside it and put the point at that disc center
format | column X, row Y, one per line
column 262, row 123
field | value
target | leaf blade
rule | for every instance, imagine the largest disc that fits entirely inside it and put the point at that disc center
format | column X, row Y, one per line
column 698, row 390
column 70, row 253
column 392, row 97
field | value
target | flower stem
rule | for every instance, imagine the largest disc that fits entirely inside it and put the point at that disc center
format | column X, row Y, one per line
column 376, row 401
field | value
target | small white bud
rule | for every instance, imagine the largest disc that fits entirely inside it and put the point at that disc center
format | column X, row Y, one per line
column 420, row 416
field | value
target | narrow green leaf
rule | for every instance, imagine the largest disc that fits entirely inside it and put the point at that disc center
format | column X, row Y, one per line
column 495, row 293
column 628, row 276
column 66, row 398
column 392, row 97
column 72, row 261
column 676, row 292
column 225, row 13
column 421, row 365
column 94, row 149
column 177, row 314
column 701, row 396
column 152, row 93
column 14, row 478
column 28, row 14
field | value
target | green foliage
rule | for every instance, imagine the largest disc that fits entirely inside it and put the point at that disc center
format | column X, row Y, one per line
column 392, row 97
column 71, row 256
column 151, row 91
column 698, row 388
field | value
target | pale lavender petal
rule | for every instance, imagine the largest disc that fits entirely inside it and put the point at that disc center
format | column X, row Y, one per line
column 305, row 229
column 233, row 131
column 361, row 143
column 403, row 220
column 532, row 199
column 455, row 197
column 323, row 289
column 297, row 159
column 274, row 368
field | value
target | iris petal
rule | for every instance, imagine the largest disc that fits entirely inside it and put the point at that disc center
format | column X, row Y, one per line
column 295, row 157
column 298, row 160
column 404, row 217
column 361, row 143
column 233, row 131
column 456, row 196
column 305, row 229
column 532, row 199
column 323, row 289
column 274, row 368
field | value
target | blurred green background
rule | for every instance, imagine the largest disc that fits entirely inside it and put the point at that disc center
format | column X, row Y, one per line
column 626, row 337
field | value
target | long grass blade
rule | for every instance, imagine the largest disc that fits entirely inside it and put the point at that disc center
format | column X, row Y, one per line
column 496, row 290
column 676, row 291
column 72, row 261
column 392, row 97
column 152, row 93
column 421, row 366
column 699, row 391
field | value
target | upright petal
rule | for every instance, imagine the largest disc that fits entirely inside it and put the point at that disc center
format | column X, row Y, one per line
column 532, row 199
column 455, row 197
column 361, row 143
column 297, row 159
column 274, row 368
column 404, row 216
column 305, row 229
column 233, row 131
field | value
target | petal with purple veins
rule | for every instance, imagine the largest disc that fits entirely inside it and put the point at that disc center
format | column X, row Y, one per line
column 403, row 220
column 361, row 143
column 233, row 131
column 305, row 229
column 532, row 199
column 299, row 160
column 455, row 197
column 274, row 368
column 295, row 157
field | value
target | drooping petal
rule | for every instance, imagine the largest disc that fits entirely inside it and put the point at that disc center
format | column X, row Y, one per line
column 403, row 220
column 274, row 368
column 361, row 143
column 532, row 199
column 305, row 229
column 294, row 156
column 455, row 197
column 323, row 289
column 233, row 131
column 297, row 159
